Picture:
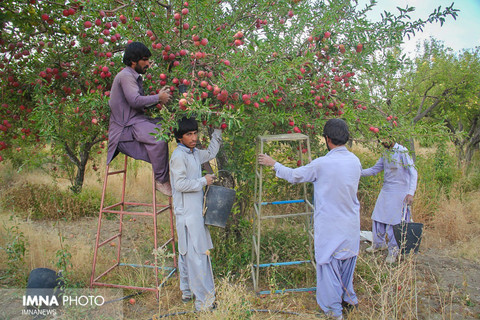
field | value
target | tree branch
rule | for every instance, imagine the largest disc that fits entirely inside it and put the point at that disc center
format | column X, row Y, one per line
column 71, row 154
column 445, row 93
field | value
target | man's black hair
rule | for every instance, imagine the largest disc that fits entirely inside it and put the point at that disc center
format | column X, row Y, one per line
column 185, row 125
column 134, row 52
column 337, row 131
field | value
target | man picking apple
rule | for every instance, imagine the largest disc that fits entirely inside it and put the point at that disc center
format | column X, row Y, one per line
column 130, row 129
column 335, row 178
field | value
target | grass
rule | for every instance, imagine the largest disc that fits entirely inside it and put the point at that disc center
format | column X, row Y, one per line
column 452, row 225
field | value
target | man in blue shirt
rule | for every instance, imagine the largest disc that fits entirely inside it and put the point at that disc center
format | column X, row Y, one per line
column 335, row 180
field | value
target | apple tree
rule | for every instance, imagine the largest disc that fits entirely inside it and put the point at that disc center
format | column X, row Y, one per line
column 252, row 68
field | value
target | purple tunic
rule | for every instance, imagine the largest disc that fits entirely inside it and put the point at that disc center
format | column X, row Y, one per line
column 130, row 129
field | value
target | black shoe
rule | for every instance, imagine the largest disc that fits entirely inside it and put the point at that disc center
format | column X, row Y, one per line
column 213, row 306
column 349, row 307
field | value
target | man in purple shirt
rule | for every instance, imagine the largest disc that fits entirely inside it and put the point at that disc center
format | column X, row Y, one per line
column 130, row 130
column 336, row 217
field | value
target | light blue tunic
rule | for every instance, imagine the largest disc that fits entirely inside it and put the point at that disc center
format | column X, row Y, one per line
column 335, row 180
column 399, row 179
column 187, row 192
column 196, row 277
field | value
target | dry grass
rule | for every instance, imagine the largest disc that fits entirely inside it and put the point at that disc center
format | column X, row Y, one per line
column 44, row 240
column 385, row 292
column 456, row 225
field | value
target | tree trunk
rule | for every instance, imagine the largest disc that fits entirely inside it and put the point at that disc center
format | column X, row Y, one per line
column 81, row 167
column 79, row 178
column 412, row 149
column 474, row 140
column 80, row 162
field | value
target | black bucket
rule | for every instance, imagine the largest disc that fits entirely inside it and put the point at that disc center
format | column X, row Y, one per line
column 44, row 284
column 408, row 236
column 218, row 204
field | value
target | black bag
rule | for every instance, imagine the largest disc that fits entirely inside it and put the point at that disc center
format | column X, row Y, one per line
column 408, row 234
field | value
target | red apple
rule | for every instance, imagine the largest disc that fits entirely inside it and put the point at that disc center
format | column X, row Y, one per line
column 359, row 48
column 182, row 102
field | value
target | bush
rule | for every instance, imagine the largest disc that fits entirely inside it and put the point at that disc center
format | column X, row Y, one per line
column 232, row 248
column 445, row 167
column 48, row 202
column 15, row 245
column 471, row 180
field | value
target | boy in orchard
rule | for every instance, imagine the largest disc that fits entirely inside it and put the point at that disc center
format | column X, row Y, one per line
column 194, row 242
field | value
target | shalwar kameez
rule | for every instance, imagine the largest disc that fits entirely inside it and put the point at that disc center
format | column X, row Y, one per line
column 399, row 180
column 130, row 128
column 335, row 180
column 194, row 240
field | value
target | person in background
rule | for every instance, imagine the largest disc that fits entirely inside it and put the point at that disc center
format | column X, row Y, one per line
column 335, row 179
column 399, row 185
column 130, row 130
column 194, row 242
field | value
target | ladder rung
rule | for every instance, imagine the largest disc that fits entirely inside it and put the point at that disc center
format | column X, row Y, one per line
column 286, row 215
column 109, row 239
column 283, row 202
column 287, row 263
column 116, row 172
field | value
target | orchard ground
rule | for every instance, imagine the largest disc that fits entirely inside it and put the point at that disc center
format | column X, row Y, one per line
column 441, row 282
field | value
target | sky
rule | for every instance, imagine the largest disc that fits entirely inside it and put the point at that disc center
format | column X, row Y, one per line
column 462, row 33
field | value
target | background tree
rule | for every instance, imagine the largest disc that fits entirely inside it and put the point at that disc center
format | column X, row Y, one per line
column 441, row 88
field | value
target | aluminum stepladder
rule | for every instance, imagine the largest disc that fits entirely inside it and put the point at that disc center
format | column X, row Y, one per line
column 121, row 209
column 260, row 217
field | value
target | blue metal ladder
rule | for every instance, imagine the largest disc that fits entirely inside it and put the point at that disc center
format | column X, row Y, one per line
column 260, row 217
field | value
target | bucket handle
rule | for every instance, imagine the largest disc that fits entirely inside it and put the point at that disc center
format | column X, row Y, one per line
column 405, row 211
column 205, row 200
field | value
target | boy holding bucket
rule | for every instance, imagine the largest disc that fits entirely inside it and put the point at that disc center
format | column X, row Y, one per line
column 194, row 242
